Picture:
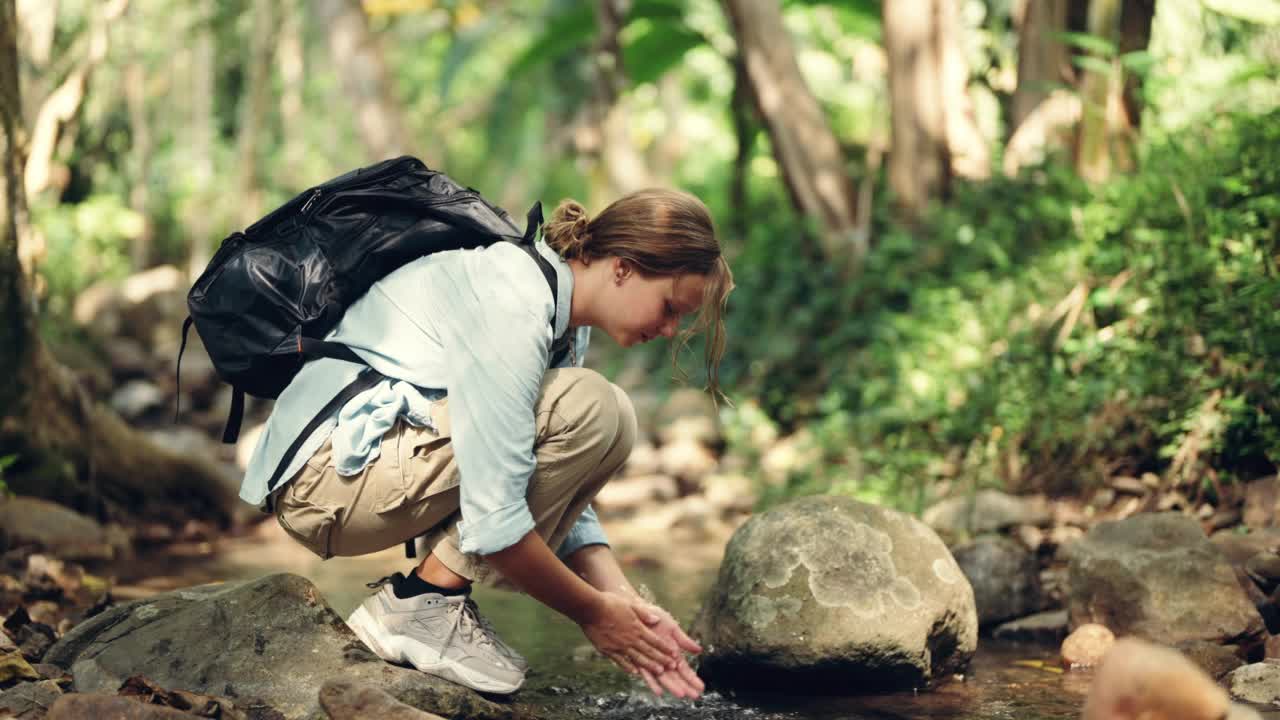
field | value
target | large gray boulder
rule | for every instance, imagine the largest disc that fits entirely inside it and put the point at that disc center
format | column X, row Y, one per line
column 1005, row 578
column 269, row 644
column 830, row 592
column 1158, row 577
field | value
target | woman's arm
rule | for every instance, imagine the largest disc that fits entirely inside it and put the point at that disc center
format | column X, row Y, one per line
column 597, row 565
column 617, row 625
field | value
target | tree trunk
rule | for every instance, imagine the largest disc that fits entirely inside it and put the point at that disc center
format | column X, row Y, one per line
column 744, row 130
column 291, row 62
column 200, row 138
column 623, row 169
column 356, row 55
column 813, row 165
column 1135, row 35
column 1043, row 64
column 59, row 109
column 136, row 99
column 1101, row 94
column 68, row 448
column 253, row 109
column 16, row 331
column 935, row 136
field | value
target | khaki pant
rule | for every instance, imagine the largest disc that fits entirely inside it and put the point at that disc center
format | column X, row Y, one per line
column 586, row 427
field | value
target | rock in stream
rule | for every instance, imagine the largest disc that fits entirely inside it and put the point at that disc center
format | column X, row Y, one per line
column 835, row 595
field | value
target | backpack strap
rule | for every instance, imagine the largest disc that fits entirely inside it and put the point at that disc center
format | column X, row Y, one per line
column 367, row 378
column 310, row 347
column 235, row 416
column 533, row 222
column 177, row 391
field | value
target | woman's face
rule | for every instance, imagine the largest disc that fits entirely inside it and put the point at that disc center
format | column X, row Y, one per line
column 639, row 309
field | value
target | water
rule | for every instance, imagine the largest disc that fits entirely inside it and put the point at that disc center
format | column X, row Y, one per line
column 568, row 679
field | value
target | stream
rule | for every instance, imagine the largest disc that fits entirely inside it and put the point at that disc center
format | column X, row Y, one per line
column 568, row 679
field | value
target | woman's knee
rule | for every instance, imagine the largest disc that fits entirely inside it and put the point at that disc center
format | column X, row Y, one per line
column 628, row 426
column 592, row 408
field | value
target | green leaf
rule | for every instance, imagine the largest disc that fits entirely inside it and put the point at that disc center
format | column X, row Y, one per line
column 575, row 30
column 1138, row 62
column 657, row 49
column 1092, row 64
column 857, row 17
column 462, row 48
column 1263, row 12
column 1092, row 43
column 563, row 33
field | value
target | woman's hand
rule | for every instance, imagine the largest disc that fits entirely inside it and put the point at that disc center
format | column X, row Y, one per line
column 681, row 681
column 622, row 629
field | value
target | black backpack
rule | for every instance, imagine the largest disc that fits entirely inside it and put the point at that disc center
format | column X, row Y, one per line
column 273, row 292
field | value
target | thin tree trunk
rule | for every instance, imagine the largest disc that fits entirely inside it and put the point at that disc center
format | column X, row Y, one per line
column 67, row 447
column 1100, row 95
column 1042, row 57
column 60, row 108
column 357, row 57
column 291, row 62
column 813, row 165
column 253, row 109
column 37, row 28
column 919, row 160
column 935, row 135
column 623, row 169
column 135, row 89
column 201, row 139
column 670, row 146
column 1135, row 34
column 744, row 129
column 970, row 154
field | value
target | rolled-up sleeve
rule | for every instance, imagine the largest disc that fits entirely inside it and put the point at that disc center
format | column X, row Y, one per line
column 497, row 355
column 586, row 531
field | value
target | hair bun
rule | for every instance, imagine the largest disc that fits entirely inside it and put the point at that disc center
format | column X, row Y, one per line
column 568, row 230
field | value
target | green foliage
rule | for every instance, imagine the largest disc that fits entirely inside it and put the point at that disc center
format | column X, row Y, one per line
column 6, row 461
column 1035, row 334
column 86, row 242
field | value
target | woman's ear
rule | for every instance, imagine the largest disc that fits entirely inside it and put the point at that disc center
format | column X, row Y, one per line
column 621, row 270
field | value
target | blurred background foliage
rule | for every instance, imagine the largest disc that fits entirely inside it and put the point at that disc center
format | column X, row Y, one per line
column 1030, row 321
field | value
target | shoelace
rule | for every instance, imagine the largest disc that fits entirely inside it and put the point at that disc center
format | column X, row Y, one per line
column 466, row 614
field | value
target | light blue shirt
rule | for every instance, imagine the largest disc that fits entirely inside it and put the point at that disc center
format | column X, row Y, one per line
column 475, row 324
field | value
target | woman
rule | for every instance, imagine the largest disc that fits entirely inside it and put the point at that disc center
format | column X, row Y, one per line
column 477, row 443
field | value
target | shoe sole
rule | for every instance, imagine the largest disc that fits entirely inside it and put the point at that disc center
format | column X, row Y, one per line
column 393, row 649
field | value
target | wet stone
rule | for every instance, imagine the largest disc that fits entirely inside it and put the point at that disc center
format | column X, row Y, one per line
column 1264, row 569
column 1086, row 646
column 827, row 591
column 78, row 706
column 1046, row 628
column 1216, row 660
column 29, row 701
column 1256, row 683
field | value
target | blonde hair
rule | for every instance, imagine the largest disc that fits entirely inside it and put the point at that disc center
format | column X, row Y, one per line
column 662, row 233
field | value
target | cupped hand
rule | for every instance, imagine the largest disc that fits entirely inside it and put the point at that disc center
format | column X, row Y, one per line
column 623, row 630
column 681, row 681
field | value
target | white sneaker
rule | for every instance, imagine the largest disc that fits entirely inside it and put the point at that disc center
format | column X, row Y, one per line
column 442, row 635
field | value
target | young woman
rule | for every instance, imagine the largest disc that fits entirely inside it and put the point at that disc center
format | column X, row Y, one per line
column 475, row 441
